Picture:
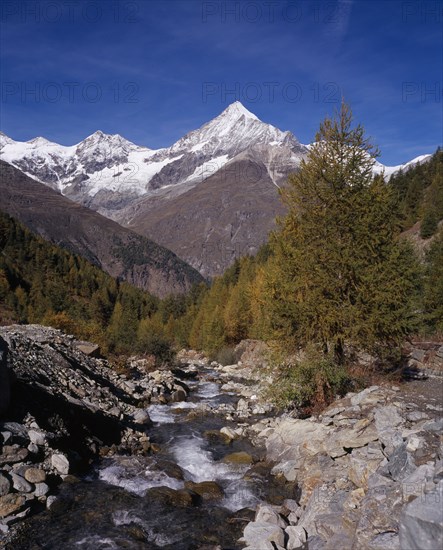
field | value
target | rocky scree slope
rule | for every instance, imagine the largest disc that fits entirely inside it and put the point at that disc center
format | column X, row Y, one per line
column 369, row 470
column 66, row 408
column 118, row 251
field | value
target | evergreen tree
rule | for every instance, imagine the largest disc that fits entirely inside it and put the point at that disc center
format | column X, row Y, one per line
column 339, row 275
column 433, row 285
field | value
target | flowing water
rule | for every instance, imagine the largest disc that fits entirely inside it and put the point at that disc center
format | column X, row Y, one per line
column 140, row 502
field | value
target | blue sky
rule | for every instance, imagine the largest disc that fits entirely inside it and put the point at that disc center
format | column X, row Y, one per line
column 152, row 71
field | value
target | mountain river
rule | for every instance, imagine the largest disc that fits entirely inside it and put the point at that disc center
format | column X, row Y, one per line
column 141, row 502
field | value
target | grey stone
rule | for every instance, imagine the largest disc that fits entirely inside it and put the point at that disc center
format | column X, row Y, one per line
column 17, row 430
column 178, row 395
column 364, row 397
column 413, row 443
column 60, row 463
column 267, row 514
column 414, row 484
column 391, row 439
column 41, row 489
column 228, row 432
column 50, row 501
column 289, row 468
column 6, row 436
column 418, row 355
column 334, row 411
column 92, row 350
column 362, row 465
column 33, row 448
column 401, row 463
column 435, row 426
column 20, row 484
column 362, row 433
column 261, row 535
column 38, row 437
column 421, row 523
column 292, row 439
column 385, row 541
column 294, row 509
column 141, row 417
column 297, row 538
column 416, row 416
column 387, row 417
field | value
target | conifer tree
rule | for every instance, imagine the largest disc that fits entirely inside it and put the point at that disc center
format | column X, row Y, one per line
column 433, row 285
column 339, row 275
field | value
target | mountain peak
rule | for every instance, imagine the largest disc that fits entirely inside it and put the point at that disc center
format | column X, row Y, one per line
column 99, row 137
column 38, row 141
column 238, row 109
column 4, row 139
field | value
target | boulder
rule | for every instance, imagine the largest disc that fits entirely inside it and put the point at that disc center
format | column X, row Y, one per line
column 88, row 348
column 10, row 504
column 41, row 489
column 179, row 498
column 401, row 463
column 141, row 417
column 367, row 397
column 359, row 435
column 288, row 468
column 20, row 484
column 267, row 514
column 35, row 475
column 297, row 538
column 238, row 458
column 421, row 523
column 262, row 535
column 60, row 463
column 207, row 490
column 228, row 432
column 38, row 437
column 387, row 417
column 12, row 454
column 362, row 465
column 293, row 438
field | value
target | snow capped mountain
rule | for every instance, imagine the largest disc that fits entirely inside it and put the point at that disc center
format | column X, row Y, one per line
column 108, row 172
column 233, row 131
column 389, row 170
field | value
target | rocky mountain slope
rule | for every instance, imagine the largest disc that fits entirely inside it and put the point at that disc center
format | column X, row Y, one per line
column 118, row 251
column 227, row 216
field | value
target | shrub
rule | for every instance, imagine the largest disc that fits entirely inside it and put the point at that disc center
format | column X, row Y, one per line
column 157, row 345
column 311, row 382
column 226, row 356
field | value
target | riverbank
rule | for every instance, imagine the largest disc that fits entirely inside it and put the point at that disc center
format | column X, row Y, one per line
column 193, row 457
